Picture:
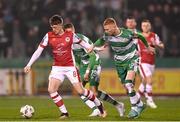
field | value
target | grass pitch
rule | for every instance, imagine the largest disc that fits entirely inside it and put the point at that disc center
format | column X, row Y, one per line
column 45, row 110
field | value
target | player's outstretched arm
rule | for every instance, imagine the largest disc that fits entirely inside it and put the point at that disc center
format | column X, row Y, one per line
column 99, row 45
column 158, row 42
column 34, row 57
column 142, row 38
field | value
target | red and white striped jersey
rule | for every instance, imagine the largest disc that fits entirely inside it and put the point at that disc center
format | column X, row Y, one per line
column 61, row 46
column 145, row 56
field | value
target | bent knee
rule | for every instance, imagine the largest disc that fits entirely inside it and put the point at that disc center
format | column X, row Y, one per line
column 51, row 90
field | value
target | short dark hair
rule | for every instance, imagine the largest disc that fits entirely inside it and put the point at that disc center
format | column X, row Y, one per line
column 130, row 17
column 56, row 19
column 146, row 20
column 68, row 25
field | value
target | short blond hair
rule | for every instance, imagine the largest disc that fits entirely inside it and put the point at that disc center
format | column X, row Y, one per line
column 108, row 21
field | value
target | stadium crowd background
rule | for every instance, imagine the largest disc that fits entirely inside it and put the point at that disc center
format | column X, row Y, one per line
column 23, row 23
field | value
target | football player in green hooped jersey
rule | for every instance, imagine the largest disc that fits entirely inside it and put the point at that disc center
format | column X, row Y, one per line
column 145, row 88
column 125, row 59
column 89, row 67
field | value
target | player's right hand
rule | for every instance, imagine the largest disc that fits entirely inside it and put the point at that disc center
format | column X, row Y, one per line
column 27, row 69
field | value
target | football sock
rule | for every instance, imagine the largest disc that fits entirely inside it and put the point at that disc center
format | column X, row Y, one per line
column 104, row 96
column 148, row 93
column 89, row 94
column 141, row 89
column 135, row 101
column 58, row 101
column 89, row 103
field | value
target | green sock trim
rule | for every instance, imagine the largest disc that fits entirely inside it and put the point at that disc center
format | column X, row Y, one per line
column 133, row 105
column 85, row 99
column 95, row 107
column 128, row 81
column 132, row 94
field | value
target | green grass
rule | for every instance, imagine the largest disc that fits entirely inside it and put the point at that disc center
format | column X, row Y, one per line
column 45, row 110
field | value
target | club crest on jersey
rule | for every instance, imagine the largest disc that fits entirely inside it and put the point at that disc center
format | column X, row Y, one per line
column 67, row 39
column 152, row 39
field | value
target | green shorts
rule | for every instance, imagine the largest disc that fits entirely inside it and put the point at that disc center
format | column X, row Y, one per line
column 94, row 76
column 122, row 69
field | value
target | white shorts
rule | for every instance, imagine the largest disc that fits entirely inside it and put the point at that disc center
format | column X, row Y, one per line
column 146, row 70
column 60, row 73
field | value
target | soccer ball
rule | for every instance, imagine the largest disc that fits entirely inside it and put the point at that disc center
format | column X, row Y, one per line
column 27, row 111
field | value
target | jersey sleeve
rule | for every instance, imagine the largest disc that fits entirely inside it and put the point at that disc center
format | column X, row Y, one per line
column 86, row 45
column 157, row 40
column 35, row 55
column 100, row 42
column 44, row 41
column 142, row 38
column 84, row 38
column 76, row 39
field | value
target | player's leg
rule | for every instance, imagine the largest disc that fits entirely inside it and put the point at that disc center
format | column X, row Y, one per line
column 55, row 81
column 141, row 89
column 149, row 69
column 127, row 74
column 94, row 79
column 92, row 106
column 148, row 93
column 106, row 97
column 89, row 95
column 136, row 104
column 88, row 102
column 73, row 76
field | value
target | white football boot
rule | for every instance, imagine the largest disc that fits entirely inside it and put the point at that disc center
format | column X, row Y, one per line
column 151, row 104
column 96, row 112
column 120, row 108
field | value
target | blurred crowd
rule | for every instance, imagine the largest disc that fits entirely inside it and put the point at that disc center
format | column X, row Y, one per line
column 23, row 23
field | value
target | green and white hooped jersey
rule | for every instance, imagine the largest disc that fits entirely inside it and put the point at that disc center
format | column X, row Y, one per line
column 81, row 55
column 123, row 46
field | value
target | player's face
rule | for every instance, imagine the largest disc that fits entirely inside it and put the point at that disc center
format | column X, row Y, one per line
column 146, row 27
column 130, row 23
column 57, row 28
column 110, row 29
